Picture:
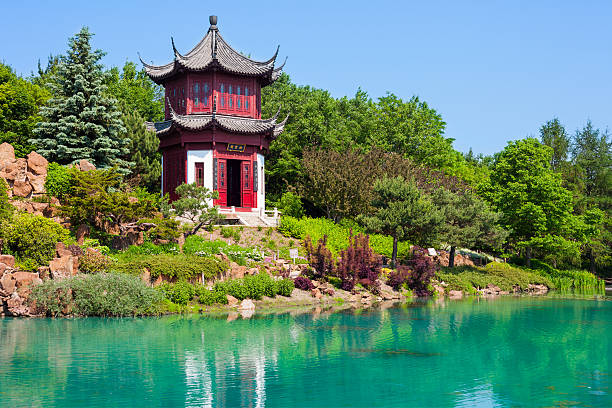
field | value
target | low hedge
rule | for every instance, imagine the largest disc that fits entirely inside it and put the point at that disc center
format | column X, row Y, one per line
column 182, row 267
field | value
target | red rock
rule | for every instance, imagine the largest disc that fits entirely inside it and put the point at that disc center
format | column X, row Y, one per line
column 37, row 183
column 231, row 301
column 8, row 260
column 316, row 293
column 22, row 188
column 61, row 268
column 455, row 294
column 61, row 250
column 37, row 164
column 7, row 283
column 7, row 153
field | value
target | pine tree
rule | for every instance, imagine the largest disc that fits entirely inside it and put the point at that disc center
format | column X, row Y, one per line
column 143, row 152
column 80, row 121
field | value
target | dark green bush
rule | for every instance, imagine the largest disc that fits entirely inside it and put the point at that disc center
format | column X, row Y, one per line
column 6, row 209
column 254, row 287
column 284, row 287
column 96, row 295
column 179, row 293
column 210, row 297
column 291, row 205
column 59, row 180
column 33, row 237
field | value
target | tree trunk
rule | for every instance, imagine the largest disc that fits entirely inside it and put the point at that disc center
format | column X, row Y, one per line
column 394, row 254
column 451, row 257
column 528, row 257
column 591, row 261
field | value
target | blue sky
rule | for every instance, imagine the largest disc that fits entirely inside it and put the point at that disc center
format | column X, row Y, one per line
column 495, row 70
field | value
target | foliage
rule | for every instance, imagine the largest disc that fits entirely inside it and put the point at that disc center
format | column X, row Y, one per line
column 180, row 292
column 210, row 297
column 96, row 295
column 570, row 281
column 6, row 209
column 422, row 270
column 135, row 92
column 402, row 212
column 200, row 246
column 553, row 135
column 149, row 248
column 80, row 121
column 320, row 258
column 194, row 204
column 33, row 237
column 59, row 180
column 528, row 193
column 96, row 198
column 165, row 228
column 93, row 261
column 468, row 222
column 254, row 287
column 231, row 232
column 359, row 264
column 291, row 205
column 143, row 151
column 592, row 153
column 20, row 101
column 182, row 267
column 302, row 282
column 341, row 183
column 398, row 277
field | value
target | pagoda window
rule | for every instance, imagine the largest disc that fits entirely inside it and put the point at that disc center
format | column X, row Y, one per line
column 205, row 93
column 246, row 98
column 222, row 94
column 196, row 94
column 238, row 104
column 230, row 97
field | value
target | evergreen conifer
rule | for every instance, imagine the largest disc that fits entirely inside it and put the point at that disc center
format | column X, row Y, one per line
column 143, row 152
column 80, row 121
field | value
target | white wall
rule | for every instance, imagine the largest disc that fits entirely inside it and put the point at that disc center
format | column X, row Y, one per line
column 261, row 192
column 205, row 156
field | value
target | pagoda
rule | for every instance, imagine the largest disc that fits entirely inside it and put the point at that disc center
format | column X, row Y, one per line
column 213, row 134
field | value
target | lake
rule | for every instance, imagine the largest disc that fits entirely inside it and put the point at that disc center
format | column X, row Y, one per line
column 471, row 353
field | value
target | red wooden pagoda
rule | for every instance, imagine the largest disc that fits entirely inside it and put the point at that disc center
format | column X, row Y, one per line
column 213, row 134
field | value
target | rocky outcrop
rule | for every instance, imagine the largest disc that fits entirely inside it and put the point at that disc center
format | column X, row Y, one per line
column 15, row 289
column 25, row 177
column 65, row 264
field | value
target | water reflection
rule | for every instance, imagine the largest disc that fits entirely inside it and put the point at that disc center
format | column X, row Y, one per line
column 504, row 352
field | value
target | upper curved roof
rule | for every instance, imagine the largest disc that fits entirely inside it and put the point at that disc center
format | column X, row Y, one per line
column 214, row 51
column 236, row 124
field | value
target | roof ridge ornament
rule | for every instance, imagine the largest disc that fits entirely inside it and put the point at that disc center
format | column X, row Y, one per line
column 213, row 23
column 176, row 53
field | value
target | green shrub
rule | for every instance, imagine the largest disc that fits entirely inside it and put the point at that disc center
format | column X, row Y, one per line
column 6, row 209
column 182, row 267
column 94, row 261
column 251, row 287
column 284, row 287
column 179, row 293
column 291, row 205
column 34, row 237
column 149, row 248
column 200, row 246
column 210, row 297
column 338, row 236
column 570, row 281
column 96, row 295
column 165, row 228
column 59, row 180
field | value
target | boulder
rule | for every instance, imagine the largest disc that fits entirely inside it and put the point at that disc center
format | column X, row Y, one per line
column 63, row 267
column 61, row 250
column 8, row 260
column 455, row 294
column 7, row 153
column 7, row 284
column 37, row 164
column 237, row 271
column 247, row 304
column 232, row 301
column 329, row 291
column 84, row 165
column 22, row 188
column 316, row 293
column 37, row 183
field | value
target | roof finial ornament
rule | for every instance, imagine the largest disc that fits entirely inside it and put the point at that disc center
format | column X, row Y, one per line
column 213, row 22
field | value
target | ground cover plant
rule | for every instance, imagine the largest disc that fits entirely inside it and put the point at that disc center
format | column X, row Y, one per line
column 180, row 267
column 200, row 246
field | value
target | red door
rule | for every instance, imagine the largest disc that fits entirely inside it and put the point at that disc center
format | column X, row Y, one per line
column 222, row 181
column 247, row 185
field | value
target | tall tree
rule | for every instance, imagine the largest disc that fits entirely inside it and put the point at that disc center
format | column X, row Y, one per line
column 528, row 193
column 20, row 101
column 135, row 92
column 553, row 135
column 80, row 121
column 142, row 148
column 402, row 212
column 592, row 152
column 468, row 222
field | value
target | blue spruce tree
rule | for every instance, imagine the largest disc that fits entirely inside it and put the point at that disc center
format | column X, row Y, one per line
column 80, row 121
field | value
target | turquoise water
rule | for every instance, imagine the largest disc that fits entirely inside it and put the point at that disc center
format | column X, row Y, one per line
column 502, row 352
